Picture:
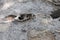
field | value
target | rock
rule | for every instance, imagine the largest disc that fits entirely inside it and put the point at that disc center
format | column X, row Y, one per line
column 56, row 2
column 4, row 27
column 18, row 30
column 40, row 35
column 7, row 19
column 44, row 18
column 5, row 22
column 10, row 18
column 1, row 3
column 23, row 1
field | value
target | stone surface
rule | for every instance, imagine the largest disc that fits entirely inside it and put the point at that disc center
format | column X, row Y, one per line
column 16, row 30
column 4, row 27
column 40, row 35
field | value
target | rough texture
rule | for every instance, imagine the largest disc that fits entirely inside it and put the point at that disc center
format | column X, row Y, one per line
column 40, row 35
column 23, row 30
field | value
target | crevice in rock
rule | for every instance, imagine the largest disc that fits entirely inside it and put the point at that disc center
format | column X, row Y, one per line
column 55, row 14
column 25, row 17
